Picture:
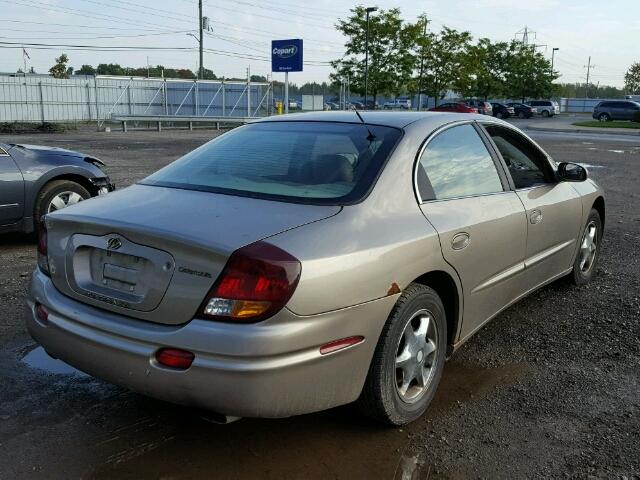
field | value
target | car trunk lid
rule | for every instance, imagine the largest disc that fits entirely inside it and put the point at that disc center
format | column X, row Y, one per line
column 153, row 252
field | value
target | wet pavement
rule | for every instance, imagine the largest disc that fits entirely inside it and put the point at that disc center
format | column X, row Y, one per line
column 550, row 388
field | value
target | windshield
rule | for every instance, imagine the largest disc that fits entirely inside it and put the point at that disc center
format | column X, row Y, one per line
column 310, row 162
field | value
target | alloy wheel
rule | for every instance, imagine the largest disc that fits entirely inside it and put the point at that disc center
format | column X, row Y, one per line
column 588, row 247
column 416, row 356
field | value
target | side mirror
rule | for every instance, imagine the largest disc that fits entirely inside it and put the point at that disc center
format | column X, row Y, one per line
column 571, row 172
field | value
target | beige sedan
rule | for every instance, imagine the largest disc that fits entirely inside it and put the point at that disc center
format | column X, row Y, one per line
column 303, row 262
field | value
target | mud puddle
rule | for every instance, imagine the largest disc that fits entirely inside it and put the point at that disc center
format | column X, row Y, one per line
column 40, row 360
column 338, row 443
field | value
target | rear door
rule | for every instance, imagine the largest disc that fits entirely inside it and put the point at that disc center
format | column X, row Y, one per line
column 481, row 224
column 553, row 209
column 11, row 189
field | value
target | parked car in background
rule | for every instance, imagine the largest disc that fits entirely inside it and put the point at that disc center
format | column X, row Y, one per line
column 500, row 110
column 457, row 107
column 403, row 103
column 484, row 108
column 258, row 275
column 615, row 110
column 522, row 110
column 36, row 180
column 372, row 105
column 357, row 105
column 546, row 108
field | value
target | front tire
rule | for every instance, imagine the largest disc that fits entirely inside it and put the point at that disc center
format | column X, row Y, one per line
column 603, row 117
column 409, row 359
column 58, row 194
column 545, row 113
column 585, row 262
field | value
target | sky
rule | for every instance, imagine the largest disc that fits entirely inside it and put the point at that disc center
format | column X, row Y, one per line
column 241, row 30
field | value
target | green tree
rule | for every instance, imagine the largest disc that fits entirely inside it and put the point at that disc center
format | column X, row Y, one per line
column 484, row 70
column 446, row 61
column 632, row 79
column 391, row 55
column 528, row 72
column 85, row 70
column 110, row 69
column 60, row 70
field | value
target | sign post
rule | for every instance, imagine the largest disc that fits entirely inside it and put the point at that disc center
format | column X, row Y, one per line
column 286, row 56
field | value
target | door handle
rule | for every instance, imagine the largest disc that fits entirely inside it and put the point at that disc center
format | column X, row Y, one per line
column 535, row 216
column 460, row 240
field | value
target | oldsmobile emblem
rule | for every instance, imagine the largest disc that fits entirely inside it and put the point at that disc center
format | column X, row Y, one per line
column 114, row 243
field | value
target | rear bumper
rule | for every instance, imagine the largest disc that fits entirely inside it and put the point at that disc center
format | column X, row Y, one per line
column 272, row 369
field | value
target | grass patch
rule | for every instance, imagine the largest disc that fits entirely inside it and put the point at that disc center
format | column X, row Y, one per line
column 24, row 127
column 612, row 124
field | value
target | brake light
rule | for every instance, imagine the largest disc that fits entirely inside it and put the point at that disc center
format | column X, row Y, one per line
column 174, row 358
column 43, row 249
column 257, row 282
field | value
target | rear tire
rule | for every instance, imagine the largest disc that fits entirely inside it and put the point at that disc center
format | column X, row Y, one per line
column 499, row 115
column 409, row 359
column 545, row 113
column 58, row 194
column 604, row 117
column 521, row 115
column 586, row 259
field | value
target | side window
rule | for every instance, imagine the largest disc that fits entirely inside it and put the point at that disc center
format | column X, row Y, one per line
column 456, row 163
column 527, row 164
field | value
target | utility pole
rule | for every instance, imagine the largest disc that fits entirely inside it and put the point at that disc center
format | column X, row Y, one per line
column 366, row 56
column 200, row 25
column 588, row 66
column 424, row 36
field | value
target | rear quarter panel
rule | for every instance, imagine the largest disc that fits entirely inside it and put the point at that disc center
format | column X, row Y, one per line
column 358, row 255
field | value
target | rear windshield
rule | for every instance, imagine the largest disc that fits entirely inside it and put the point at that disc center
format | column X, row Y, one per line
column 309, row 162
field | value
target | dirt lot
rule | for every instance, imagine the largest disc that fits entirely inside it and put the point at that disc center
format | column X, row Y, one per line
column 550, row 388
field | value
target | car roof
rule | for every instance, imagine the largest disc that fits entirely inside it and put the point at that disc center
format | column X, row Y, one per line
column 387, row 119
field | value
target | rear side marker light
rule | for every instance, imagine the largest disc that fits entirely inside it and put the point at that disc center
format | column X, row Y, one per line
column 174, row 358
column 41, row 313
column 340, row 344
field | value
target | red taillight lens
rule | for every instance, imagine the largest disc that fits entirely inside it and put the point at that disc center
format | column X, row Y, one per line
column 43, row 249
column 41, row 313
column 174, row 358
column 257, row 282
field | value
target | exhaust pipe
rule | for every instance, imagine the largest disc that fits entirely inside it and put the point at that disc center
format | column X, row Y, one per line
column 218, row 418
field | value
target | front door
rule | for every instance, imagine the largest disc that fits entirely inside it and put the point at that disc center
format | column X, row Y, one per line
column 11, row 190
column 553, row 209
column 481, row 224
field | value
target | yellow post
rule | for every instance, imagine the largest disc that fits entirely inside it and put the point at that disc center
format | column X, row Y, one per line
column 279, row 107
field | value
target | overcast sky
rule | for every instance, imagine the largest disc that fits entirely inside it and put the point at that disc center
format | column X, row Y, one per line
column 609, row 31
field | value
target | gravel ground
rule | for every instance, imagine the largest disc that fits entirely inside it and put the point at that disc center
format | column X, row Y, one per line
column 550, row 388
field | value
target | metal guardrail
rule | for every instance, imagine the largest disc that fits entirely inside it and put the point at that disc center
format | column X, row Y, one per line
column 190, row 120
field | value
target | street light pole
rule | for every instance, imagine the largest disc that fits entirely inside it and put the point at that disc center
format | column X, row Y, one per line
column 200, row 70
column 553, row 51
column 366, row 56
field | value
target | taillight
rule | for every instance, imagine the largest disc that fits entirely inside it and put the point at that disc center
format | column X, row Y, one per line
column 43, row 249
column 257, row 282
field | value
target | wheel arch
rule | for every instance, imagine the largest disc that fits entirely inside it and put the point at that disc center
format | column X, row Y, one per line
column 447, row 289
column 599, row 206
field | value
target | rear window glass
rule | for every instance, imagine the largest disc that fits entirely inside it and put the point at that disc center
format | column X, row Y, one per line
column 311, row 162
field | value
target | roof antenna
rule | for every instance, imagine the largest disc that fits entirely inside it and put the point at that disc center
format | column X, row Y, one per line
column 371, row 136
